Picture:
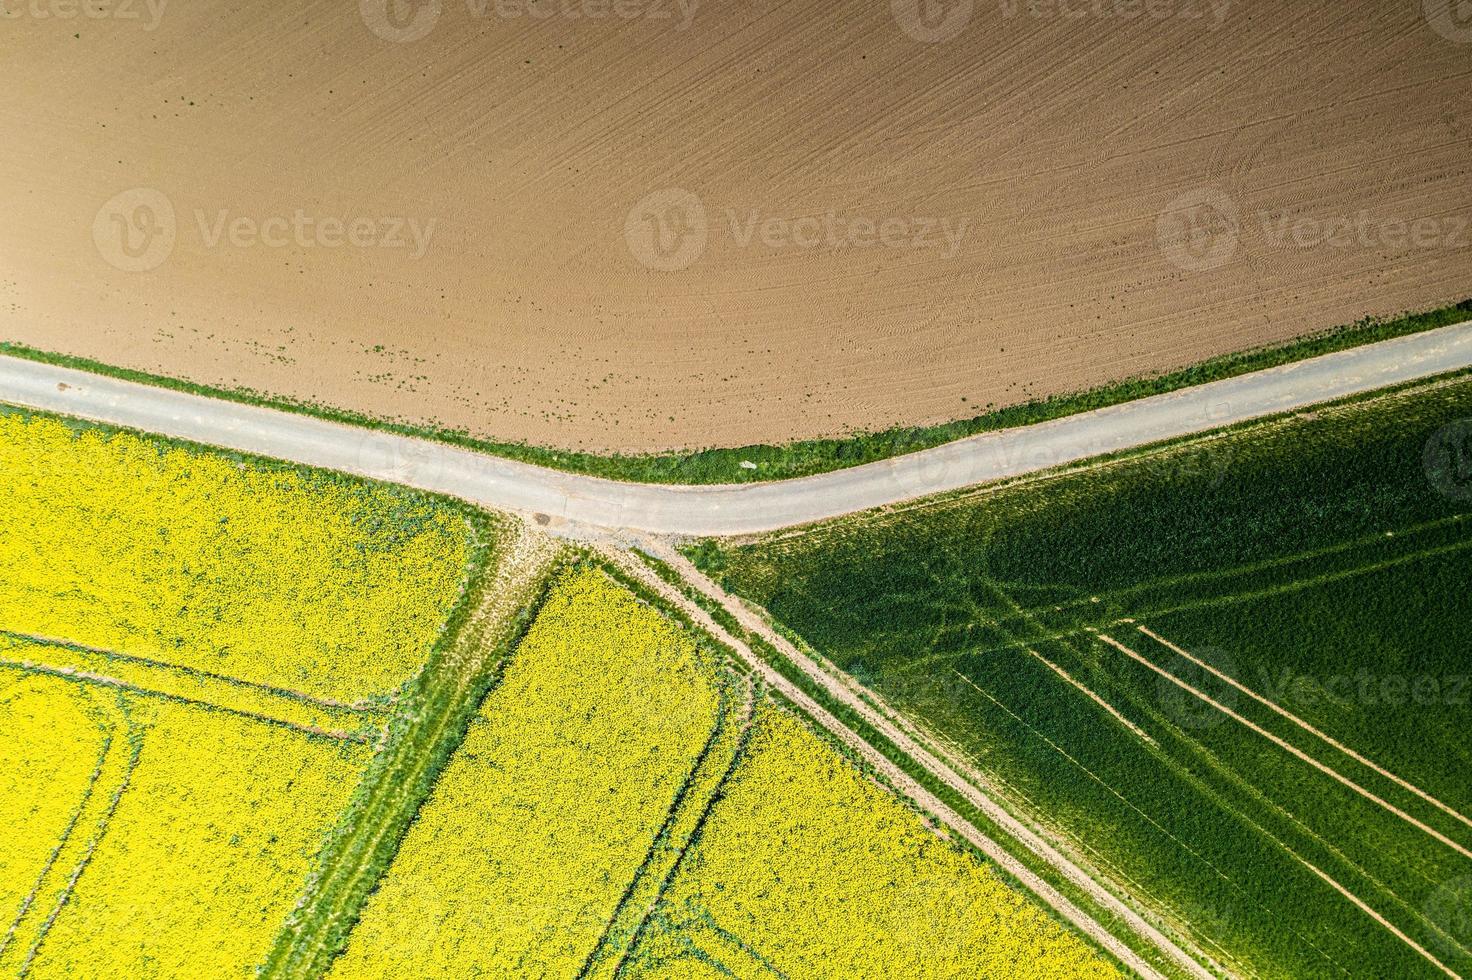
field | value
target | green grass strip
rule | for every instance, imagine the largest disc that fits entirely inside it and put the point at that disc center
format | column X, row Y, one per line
column 427, row 727
column 751, row 464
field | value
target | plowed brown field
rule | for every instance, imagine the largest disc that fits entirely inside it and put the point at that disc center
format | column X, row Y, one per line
column 637, row 224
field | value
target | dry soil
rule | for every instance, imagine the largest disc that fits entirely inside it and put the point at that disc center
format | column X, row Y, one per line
column 608, row 196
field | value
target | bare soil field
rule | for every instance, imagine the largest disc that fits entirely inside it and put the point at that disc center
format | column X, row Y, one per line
column 652, row 224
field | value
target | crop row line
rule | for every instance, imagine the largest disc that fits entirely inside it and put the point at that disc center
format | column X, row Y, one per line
column 922, row 757
column 192, row 672
column 123, row 745
column 738, row 753
column 79, row 676
column 669, row 845
column 428, row 724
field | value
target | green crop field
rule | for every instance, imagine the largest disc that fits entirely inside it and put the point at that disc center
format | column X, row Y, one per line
column 1232, row 675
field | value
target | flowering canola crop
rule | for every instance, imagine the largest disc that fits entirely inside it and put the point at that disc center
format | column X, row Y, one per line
column 517, row 862
column 807, row 869
column 206, row 851
column 176, row 630
column 50, row 746
column 179, row 632
column 328, row 586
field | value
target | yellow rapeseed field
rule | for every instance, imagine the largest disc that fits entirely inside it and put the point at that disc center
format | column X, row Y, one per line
column 179, row 634
column 541, row 821
column 308, row 582
column 142, row 676
column 207, row 850
column 50, row 748
column 807, row 868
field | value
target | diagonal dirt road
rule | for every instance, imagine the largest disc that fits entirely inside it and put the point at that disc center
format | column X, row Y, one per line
column 1182, row 959
column 599, row 509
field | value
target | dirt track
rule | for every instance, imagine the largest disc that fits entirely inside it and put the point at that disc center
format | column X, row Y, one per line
column 897, row 777
column 1023, row 164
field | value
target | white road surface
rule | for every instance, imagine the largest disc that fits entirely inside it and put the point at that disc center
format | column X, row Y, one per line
column 589, row 504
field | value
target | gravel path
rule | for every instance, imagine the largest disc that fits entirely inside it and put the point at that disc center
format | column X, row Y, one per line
column 574, row 503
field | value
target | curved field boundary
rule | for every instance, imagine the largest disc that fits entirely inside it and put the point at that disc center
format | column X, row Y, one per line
column 38, row 655
column 910, row 787
column 122, row 745
column 89, row 679
column 104, row 750
column 582, row 504
column 681, row 829
column 204, row 676
column 427, row 725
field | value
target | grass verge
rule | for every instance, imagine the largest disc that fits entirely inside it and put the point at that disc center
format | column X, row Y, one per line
column 427, row 726
column 757, row 463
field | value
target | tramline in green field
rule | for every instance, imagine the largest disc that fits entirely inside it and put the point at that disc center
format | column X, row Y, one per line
column 1231, row 673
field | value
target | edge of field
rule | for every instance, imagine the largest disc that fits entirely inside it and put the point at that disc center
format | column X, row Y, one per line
column 761, row 691
column 979, row 820
column 507, row 587
column 705, row 554
column 763, row 463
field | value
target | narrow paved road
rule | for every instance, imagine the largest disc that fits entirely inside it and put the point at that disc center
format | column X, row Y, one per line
column 596, row 504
